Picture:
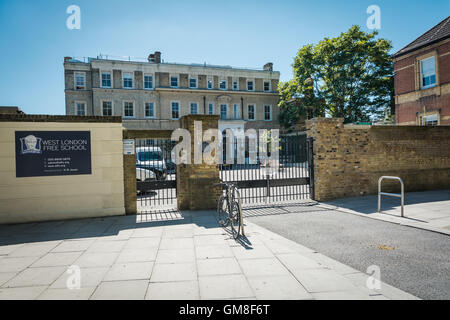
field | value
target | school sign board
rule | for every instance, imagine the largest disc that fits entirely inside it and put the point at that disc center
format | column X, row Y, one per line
column 53, row 153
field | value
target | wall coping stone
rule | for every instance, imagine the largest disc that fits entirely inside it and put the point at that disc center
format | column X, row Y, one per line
column 57, row 118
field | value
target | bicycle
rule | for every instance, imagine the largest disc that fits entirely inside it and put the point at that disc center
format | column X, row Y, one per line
column 229, row 209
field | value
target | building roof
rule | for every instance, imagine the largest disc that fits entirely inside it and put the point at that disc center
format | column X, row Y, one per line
column 440, row 32
column 10, row 110
column 141, row 61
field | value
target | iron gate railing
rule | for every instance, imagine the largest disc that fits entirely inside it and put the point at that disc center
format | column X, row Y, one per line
column 155, row 175
column 292, row 181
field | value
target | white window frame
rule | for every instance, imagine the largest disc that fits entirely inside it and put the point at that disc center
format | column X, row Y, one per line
column 226, row 111
column 196, row 82
column 254, row 111
column 76, row 108
column 134, row 109
column 170, row 80
column 153, row 81
column 422, row 75
column 253, row 85
column 270, row 86
column 145, row 110
column 213, row 109
column 236, row 81
column 190, row 107
column 171, row 109
column 112, row 107
column 208, row 80
column 226, row 84
column 132, row 80
column 236, row 112
column 434, row 117
column 101, row 79
column 75, row 80
column 271, row 110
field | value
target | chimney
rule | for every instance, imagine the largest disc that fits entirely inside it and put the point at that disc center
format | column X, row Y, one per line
column 157, row 57
column 268, row 66
column 67, row 59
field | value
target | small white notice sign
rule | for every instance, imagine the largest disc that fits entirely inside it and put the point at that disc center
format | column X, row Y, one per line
column 128, row 147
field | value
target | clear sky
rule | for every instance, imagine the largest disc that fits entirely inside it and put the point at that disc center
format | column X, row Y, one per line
column 245, row 33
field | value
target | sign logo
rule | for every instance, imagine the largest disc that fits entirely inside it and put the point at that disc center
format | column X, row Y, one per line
column 31, row 145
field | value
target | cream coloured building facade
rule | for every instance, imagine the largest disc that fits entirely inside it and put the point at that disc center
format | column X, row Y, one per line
column 154, row 95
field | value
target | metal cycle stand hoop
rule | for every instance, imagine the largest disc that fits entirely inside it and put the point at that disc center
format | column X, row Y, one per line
column 402, row 195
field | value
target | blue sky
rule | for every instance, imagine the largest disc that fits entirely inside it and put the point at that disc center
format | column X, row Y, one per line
column 244, row 33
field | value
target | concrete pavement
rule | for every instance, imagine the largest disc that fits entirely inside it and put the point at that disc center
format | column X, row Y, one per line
column 172, row 255
column 424, row 210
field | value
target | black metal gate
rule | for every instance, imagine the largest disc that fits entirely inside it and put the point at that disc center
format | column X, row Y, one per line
column 155, row 175
column 292, row 181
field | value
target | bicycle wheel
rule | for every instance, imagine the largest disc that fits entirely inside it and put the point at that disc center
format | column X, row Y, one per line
column 235, row 218
column 222, row 211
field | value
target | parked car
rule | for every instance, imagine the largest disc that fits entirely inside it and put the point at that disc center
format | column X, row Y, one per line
column 144, row 175
column 151, row 158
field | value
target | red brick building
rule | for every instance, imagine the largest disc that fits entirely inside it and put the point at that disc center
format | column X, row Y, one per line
column 422, row 79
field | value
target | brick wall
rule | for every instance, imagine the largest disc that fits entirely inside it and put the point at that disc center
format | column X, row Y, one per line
column 411, row 100
column 349, row 160
column 195, row 182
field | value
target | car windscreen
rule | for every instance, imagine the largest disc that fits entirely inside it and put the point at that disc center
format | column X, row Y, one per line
column 150, row 156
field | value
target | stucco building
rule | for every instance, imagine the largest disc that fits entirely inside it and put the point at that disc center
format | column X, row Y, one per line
column 155, row 95
column 422, row 79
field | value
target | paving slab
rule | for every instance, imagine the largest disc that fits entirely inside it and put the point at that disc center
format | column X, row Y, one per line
column 137, row 255
column 106, row 246
column 35, row 277
column 100, row 259
column 34, row 249
column 256, row 252
column 213, row 251
column 142, row 243
column 16, row 264
column 55, row 259
column 24, row 293
column 67, row 294
column 174, row 272
column 207, row 240
column 218, row 266
column 129, row 271
column 263, row 267
column 121, row 290
column 6, row 276
column 284, row 287
column 175, row 256
column 184, row 290
column 90, row 277
column 224, row 287
column 176, row 243
column 73, row 246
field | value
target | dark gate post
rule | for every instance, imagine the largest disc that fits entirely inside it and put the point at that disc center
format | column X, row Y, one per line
column 129, row 177
column 311, row 166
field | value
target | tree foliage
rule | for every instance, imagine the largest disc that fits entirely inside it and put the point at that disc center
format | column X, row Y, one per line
column 350, row 76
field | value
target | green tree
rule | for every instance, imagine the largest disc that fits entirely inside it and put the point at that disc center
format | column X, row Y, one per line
column 350, row 76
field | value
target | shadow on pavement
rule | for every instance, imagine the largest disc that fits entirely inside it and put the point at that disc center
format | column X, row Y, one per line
column 101, row 227
column 369, row 204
